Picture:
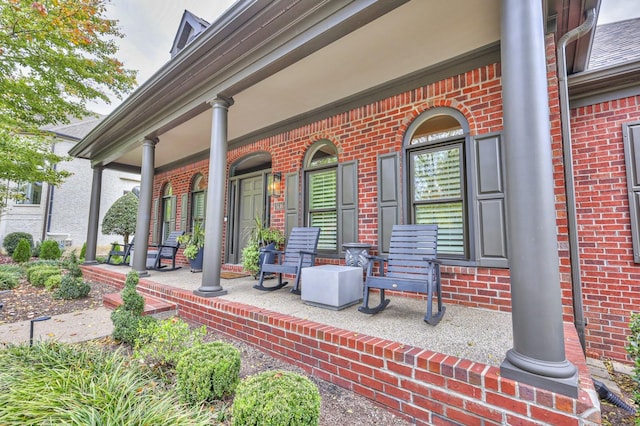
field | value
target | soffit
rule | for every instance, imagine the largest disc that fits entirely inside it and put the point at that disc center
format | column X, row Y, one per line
column 412, row 37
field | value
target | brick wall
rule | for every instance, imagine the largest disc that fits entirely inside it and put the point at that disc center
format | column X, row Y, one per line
column 424, row 387
column 378, row 128
column 610, row 278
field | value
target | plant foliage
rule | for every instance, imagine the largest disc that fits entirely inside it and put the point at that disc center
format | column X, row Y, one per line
column 121, row 217
column 161, row 343
column 193, row 241
column 55, row 57
column 207, row 372
column 276, row 398
column 22, row 253
column 81, row 384
column 260, row 235
column 50, row 250
column 633, row 349
column 127, row 318
column 11, row 241
column 10, row 276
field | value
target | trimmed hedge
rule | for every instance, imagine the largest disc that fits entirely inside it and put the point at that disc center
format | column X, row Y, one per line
column 276, row 398
column 207, row 372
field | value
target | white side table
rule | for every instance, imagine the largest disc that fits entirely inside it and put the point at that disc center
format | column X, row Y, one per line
column 331, row 286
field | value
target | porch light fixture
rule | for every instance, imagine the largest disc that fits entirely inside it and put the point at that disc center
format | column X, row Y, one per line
column 274, row 184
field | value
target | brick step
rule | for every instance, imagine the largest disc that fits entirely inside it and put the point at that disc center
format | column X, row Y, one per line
column 152, row 306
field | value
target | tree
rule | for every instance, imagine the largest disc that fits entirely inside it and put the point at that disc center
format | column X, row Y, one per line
column 121, row 217
column 55, row 57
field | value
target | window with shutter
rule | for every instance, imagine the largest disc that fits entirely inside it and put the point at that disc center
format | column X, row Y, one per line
column 168, row 211
column 631, row 138
column 437, row 179
column 330, row 196
column 198, row 191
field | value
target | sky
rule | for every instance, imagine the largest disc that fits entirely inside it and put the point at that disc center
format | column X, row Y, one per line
column 150, row 26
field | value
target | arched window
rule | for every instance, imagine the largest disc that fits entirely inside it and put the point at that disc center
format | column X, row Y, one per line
column 437, row 178
column 168, row 211
column 321, row 177
column 198, row 197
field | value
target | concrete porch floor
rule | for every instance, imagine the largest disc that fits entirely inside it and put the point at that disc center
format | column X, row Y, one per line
column 475, row 334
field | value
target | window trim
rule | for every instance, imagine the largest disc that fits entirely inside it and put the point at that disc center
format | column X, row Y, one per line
column 464, row 140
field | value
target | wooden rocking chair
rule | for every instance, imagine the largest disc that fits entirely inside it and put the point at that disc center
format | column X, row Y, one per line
column 411, row 266
column 299, row 253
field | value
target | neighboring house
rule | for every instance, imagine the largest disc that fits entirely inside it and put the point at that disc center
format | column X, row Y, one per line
column 62, row 213
column 372, row 113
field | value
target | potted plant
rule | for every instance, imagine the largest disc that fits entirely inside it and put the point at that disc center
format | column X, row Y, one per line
column 260, row 237
column 194, row 246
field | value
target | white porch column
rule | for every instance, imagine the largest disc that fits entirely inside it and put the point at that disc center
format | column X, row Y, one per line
column 144, row 207
column 94, row 217
column 538, row 355
column 214, row 224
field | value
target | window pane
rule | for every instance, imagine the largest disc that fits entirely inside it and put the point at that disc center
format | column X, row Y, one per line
column 322, row 190
column 450, row 221
column 198, row 205
column 437, row 174
column 328, row 224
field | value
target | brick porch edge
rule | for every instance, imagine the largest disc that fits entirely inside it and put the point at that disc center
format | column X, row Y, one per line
column 424, row 387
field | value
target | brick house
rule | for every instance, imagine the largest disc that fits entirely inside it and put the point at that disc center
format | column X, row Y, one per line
column 371, row 113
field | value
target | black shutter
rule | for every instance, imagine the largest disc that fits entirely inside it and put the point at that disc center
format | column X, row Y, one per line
column 184, row 212
column 388, row 198
column 490, row 213
column 347, row 203
column 631, row 138
column 291, row 201
column 154, row 221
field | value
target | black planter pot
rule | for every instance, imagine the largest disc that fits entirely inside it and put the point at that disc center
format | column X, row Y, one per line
column 270, row 256
column 196, row 264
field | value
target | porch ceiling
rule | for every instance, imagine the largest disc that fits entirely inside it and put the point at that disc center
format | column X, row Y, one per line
column 409, row 38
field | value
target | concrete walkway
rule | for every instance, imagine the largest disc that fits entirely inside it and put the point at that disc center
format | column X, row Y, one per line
column 69, row 328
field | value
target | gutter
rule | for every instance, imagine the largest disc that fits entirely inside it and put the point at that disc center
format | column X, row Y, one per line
column 563, row 89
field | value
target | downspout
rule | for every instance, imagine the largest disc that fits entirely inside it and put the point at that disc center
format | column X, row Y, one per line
column 563, row 89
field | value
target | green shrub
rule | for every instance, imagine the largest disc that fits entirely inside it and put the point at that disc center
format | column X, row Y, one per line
column 207, row 372
column 38, row 276
column 53, row 282
column 50, row 250
column 162, row 342
column 11, row 241
column 276, row 398
column 10, row 276
column 8, row 280
column 22, row 253
column 83, row 252
column 70, row 263
column 71, row 288
column 82, row 384
column 633, row 349
column 35, row 265
column 127, row 318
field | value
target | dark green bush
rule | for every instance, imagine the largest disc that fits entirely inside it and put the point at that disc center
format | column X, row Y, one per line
column 38, row 276
column 22, row 253
column 71, row 288
column 11, row 241
column 276, row 398
column 83, row 252
column 70, row 263
column 50, row 250
column 127, row 318
column 207, row 372
column 633, row 349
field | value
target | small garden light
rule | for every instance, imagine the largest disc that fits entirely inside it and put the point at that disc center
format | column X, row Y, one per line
column 31, row 330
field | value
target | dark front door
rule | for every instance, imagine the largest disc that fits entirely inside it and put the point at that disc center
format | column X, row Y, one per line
column 251, row 206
